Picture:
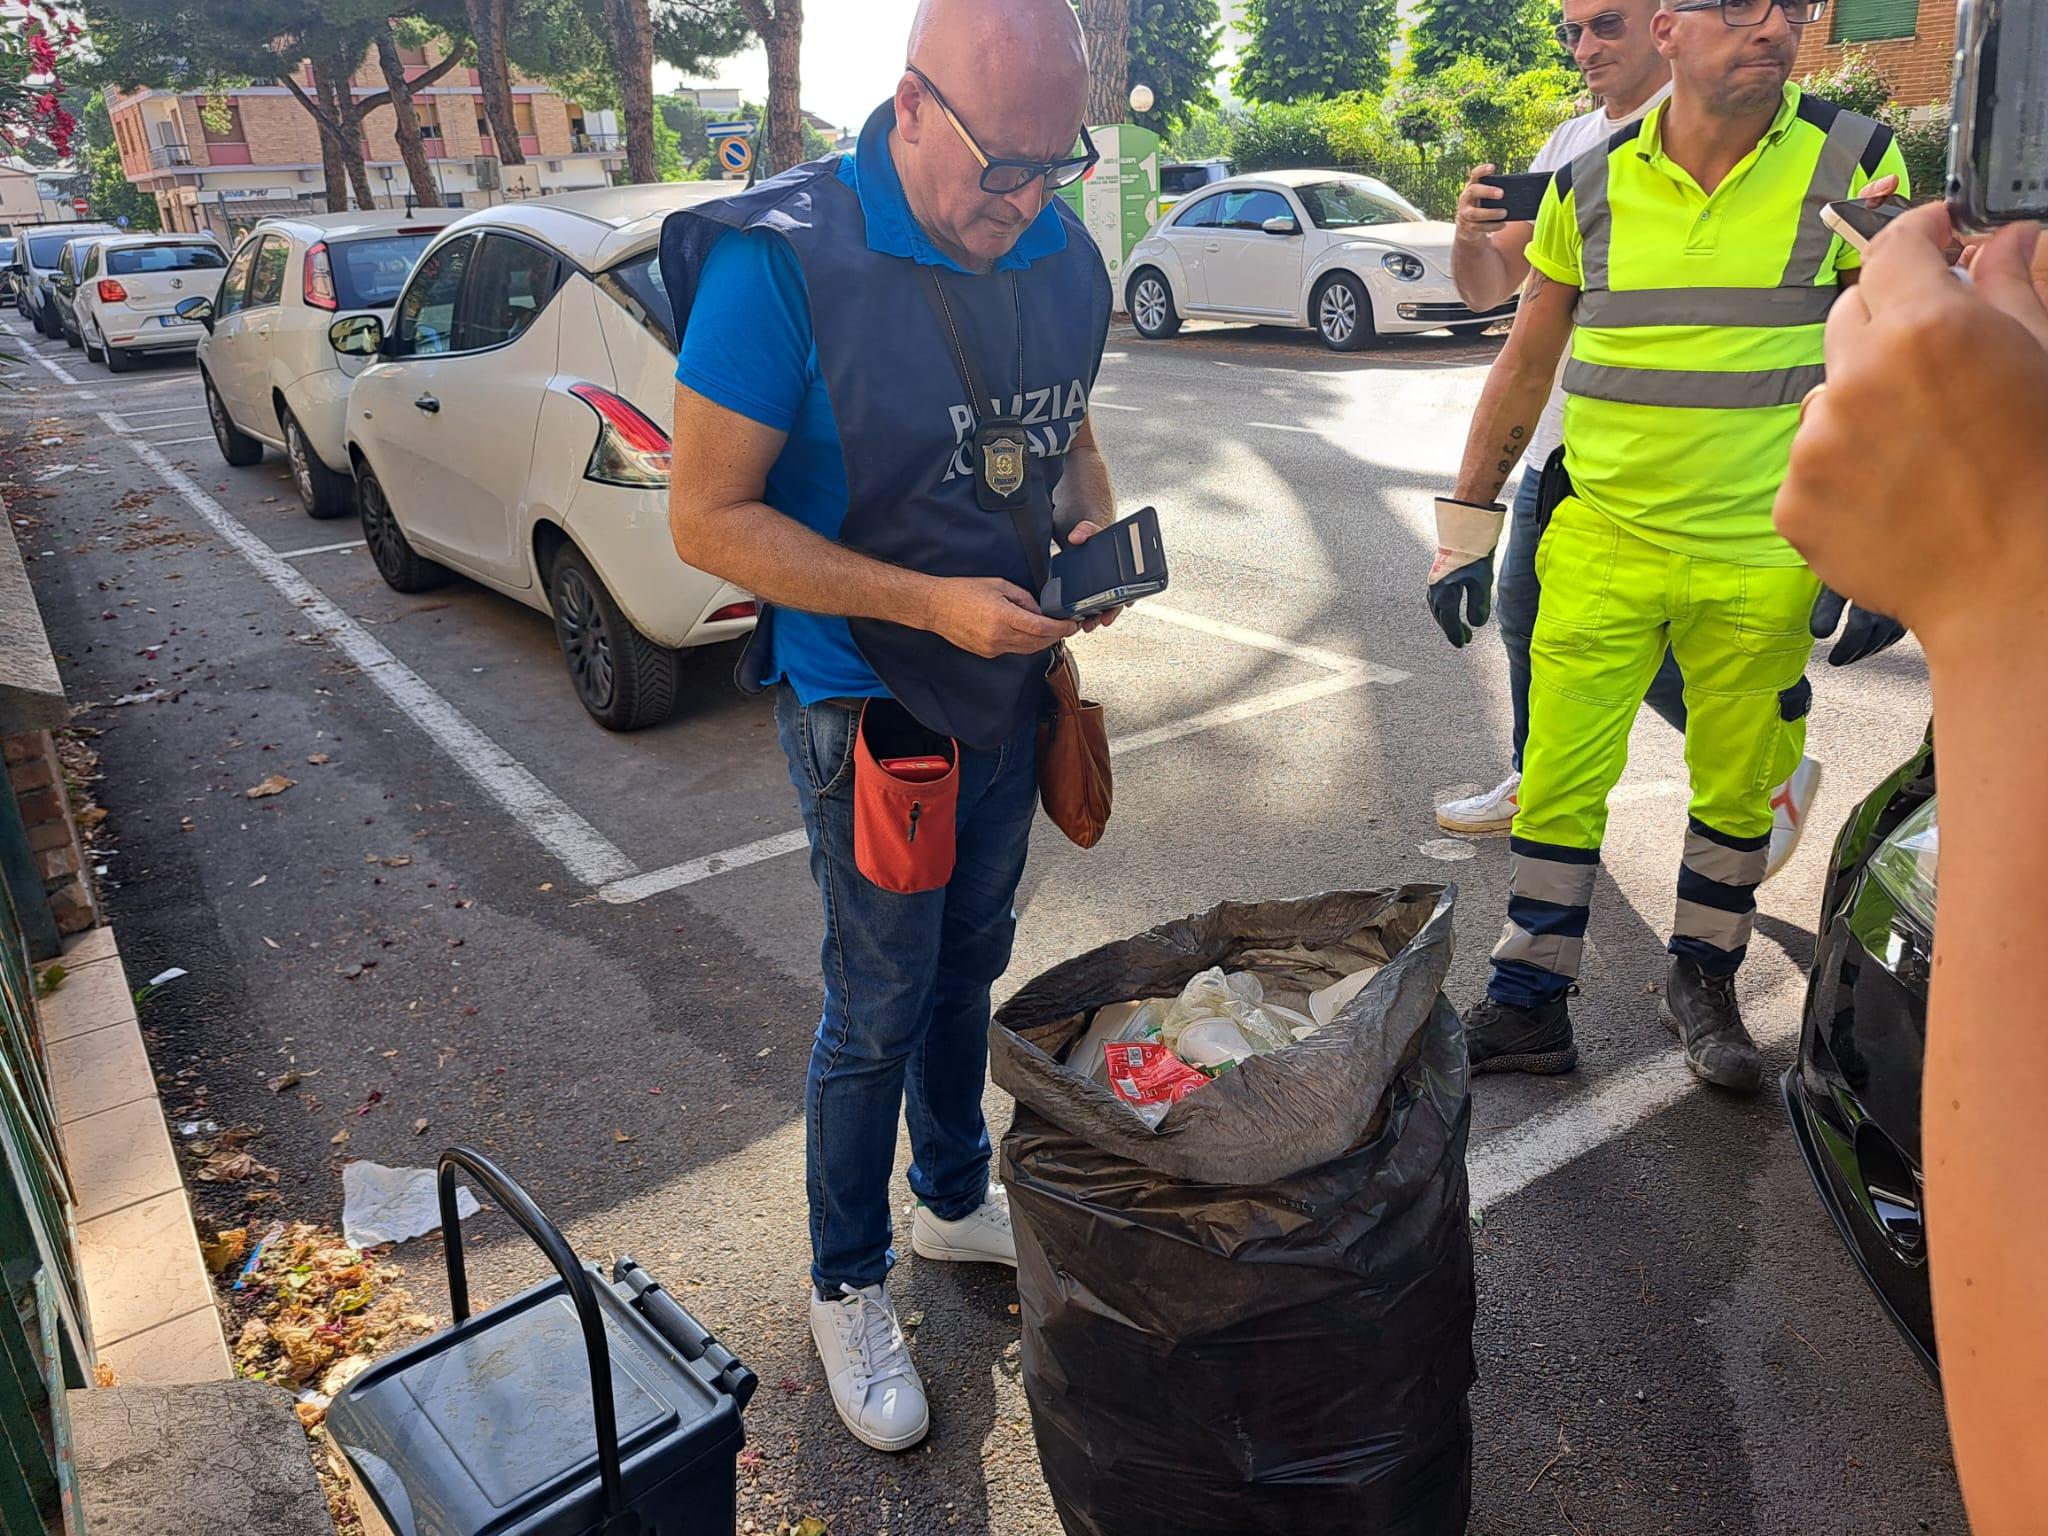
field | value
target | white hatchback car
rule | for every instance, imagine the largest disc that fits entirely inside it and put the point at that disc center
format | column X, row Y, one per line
column 269, row 373
column 128, row 291
column 509, row 429
column 1345, row 256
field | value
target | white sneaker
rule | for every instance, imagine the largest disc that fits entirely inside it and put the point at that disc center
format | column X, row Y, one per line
column 867, row 1364
column 1791, row 801
column 1492, row 812
column 982, row 1236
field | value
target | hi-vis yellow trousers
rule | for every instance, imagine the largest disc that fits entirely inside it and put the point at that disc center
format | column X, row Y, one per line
column 1611, row 604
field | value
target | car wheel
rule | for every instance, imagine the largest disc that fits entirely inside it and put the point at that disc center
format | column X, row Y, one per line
column 402, row 567
column 118, row 361
column 236, row 446
column 1342, row 313
column 92, row 353
column 1151, row 304
column 73, row 337
column 324, row 493
column 624, row 679
column 46, row 324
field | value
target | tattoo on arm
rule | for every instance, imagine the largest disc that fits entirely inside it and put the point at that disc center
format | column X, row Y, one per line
column 1511, row 450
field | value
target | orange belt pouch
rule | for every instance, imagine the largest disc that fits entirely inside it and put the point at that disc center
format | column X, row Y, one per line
column 906, row 795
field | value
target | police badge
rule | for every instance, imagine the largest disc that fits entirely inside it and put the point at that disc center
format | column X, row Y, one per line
column 1003, row 453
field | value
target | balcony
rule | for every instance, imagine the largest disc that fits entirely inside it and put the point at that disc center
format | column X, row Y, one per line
column 165, row 156
column 597, row 143
column 529, row 145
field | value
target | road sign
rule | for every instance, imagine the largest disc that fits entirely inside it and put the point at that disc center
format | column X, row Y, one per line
column 79, row 205
column 735, row 155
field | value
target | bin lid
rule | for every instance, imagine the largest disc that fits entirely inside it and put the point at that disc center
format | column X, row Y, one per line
column 487, row 1428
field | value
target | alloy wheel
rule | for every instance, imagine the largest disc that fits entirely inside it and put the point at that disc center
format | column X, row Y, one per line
column 586, row 639
column 295, row 451
column 1150, row 304
column 1338, row 313
column 380, row 528
column 217, row 418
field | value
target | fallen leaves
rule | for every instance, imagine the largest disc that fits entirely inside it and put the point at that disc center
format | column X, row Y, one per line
column 287, row 1079
column 224, row 1249
column 319, row 759
column 233, row 1165
column 271, row 784
column 621, row 1136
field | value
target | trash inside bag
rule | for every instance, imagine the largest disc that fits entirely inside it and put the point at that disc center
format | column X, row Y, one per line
column 1251, row 1316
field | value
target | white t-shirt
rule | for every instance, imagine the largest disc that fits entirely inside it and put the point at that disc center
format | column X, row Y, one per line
column 1566, row 144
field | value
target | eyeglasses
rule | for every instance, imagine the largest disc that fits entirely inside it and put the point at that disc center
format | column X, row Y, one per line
column 1002, row 177
column 1754, row 13
column 1607, row 26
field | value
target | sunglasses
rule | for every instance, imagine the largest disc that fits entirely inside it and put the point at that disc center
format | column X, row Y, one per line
column 1002, row 176
column 1607, row 26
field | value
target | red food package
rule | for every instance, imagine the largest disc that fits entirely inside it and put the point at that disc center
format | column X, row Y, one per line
column 1143, row 1073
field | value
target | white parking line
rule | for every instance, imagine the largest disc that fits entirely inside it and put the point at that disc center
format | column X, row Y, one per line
column 172, row 442
column 583, row 851
column 1509, row 1163
column 166, row 410
column 318, row 549
column 1111, row 405
column 1281, row 426
column 676, row 876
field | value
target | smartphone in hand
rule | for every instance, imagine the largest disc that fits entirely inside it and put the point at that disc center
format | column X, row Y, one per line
column 1859, row 222
column 1524, row 194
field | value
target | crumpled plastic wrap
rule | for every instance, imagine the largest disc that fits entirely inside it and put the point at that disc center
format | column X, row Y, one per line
column 1254, row 1319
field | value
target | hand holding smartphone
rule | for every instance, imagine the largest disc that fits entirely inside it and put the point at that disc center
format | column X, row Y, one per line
column 1521, row 195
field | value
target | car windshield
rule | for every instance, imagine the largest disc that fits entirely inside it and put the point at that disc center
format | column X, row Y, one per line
column 1179, row 180
column 1356, row 202
column 6, row 252
column 368, row 273
column 43, row 250
column 129, row 261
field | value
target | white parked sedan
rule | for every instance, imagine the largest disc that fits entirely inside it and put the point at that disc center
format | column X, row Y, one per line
column 1345, row 256
column 128, row 290
column 270, row 374
column 509, row 429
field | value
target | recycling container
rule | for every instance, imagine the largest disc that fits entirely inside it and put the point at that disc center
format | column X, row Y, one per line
column 584, row 1406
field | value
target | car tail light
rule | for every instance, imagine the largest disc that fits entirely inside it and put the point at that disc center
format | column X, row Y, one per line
column 319, row 289
column 630, row 449
column 1907, row 865
column 112, row 292
column 734, row 611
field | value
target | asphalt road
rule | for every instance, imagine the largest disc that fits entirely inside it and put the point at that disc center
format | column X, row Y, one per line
column 594, row 956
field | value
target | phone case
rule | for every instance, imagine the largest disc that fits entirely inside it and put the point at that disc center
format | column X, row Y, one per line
column 1124, row 562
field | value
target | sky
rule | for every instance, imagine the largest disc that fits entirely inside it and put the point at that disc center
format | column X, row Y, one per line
column 853, row 54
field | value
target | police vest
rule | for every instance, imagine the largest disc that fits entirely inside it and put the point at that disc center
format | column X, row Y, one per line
column 1700, row 320
column 904, row 425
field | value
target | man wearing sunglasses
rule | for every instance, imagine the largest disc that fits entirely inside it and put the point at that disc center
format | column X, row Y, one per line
column 1684, row 265
column 1611, row 42
column 881, row 427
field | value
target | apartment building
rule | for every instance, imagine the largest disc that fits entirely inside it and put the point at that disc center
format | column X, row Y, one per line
column 1912, row 41
column 222, row 162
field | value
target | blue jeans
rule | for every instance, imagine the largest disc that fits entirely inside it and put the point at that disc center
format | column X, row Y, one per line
column 1515, row 601
column 907, row 979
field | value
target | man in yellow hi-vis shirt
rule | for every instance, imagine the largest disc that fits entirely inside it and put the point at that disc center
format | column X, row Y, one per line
column 1686, row 264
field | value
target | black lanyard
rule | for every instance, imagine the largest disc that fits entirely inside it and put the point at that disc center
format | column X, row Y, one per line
column 1001, row 449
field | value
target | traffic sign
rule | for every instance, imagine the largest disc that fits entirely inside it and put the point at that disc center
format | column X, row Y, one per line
column 736, row 155
column 79, row 205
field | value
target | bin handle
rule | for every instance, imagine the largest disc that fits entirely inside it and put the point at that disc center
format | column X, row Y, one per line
column 520, row 1207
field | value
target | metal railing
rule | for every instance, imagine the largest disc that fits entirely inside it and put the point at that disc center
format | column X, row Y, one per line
column 596, row 143
column 162, row 156
column 44, row 1346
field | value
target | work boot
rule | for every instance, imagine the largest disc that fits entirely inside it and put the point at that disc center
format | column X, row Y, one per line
column 1500, row 1037
column 867, row 1365
column 1701, row 1010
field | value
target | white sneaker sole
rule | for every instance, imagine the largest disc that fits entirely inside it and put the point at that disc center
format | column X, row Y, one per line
column 875, row 1442
column 1471, row 828
column 930, row 1248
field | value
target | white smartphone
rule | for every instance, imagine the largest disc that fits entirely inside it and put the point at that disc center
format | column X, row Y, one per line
column 1859, row 222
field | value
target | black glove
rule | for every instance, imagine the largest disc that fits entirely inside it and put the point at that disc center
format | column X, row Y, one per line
column 1865, row 634
column 1469, row 585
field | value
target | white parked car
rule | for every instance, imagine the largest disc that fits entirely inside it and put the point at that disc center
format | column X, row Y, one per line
column 128, row 291
column 510, row 428
column 1345, row 256
column 270, row 374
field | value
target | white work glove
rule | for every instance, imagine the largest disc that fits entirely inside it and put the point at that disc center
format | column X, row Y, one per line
column 1462, row 577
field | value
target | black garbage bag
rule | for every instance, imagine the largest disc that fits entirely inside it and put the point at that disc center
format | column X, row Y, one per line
column 1256, row 1318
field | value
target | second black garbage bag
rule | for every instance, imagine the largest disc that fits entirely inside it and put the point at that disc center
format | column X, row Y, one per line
column 1257, row 1317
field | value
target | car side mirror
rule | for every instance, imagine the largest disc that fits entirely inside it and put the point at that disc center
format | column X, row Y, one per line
column 200, row 309
column 1283, row 224
column 357, row 336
